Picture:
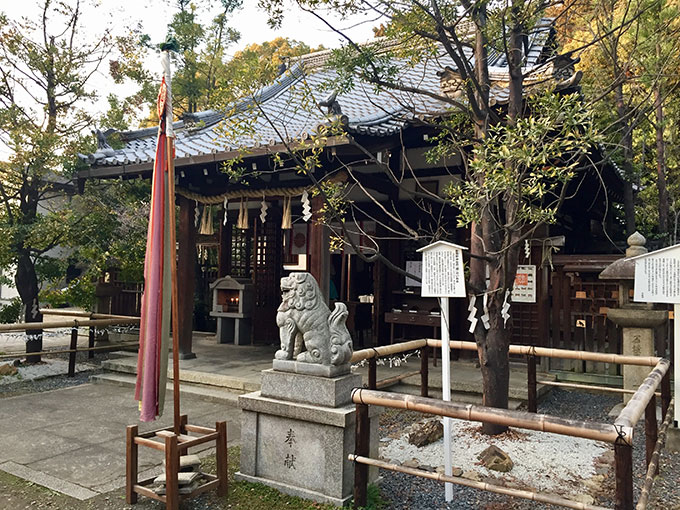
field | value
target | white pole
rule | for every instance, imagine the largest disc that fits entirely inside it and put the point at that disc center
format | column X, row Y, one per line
column 446, row 393
column 676, row 359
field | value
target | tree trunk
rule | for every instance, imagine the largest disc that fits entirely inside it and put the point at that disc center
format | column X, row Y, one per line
column 626, row 140
column 661, row 161
column 26, row 281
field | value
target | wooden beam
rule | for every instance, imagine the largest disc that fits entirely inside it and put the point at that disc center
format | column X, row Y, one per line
column 319, row 248
column 186, row 268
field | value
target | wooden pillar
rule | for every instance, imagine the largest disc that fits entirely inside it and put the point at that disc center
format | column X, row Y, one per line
column 424, row 371
column 623, row 462
column 319, row 248
column 171, row 470
column 361, row 448
column 73, row 347
column 186, row 277
column 531, row 384
column 221, row 456
column 224, row 260
column 131, row 464
column 372, row 373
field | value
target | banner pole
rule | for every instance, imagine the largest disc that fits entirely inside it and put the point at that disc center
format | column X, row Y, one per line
column 173, row 244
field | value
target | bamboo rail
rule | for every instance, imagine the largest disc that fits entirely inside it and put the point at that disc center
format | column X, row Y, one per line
column 75, row 323
column 630, row 414
column 541, row 422
column 533, row 496
column 577, row 386
column 526, row 350
column 113, row 347
column 545, row 352
column 652, row 468
column 383, row 383
column 77, row 313
column 386, row 350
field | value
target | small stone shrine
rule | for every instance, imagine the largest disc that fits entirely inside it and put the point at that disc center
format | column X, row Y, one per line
column 297, row 432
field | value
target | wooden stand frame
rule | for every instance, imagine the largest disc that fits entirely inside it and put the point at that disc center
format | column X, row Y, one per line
column 173, row 446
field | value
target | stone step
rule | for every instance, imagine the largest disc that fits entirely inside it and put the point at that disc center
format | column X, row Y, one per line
column 207, row 393
column 129, row 366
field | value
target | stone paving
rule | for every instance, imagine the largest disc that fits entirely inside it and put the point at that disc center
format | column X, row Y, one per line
column 73, row 440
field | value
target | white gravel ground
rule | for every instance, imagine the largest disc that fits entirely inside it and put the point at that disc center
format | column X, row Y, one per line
column 542, row 461
column 48, row 368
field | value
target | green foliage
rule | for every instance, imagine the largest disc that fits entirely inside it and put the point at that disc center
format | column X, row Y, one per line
column 11, row 312
column 528, row 164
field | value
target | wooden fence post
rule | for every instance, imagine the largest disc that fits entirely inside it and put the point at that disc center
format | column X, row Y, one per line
column 532, row 403
column 623, row 461
column 424, row 367
column 361, row 448
column 665, row 394
column 221, row 454
column 372, row 373
column 90, row 341
column 72, row 355
column 131, row 459
column 651, row 429
column 171, row 470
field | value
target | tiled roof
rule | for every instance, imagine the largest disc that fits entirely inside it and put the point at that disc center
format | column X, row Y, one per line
column 277, row 112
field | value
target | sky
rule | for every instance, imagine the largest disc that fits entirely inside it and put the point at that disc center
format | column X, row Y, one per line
column 154, row 16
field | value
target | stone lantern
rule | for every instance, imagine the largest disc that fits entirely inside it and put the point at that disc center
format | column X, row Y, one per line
column 638, row 320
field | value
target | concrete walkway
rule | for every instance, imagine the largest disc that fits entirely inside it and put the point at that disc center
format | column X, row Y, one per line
column 73, row 440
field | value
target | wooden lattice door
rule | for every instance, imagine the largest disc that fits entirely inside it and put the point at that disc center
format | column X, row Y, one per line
column 267, row 266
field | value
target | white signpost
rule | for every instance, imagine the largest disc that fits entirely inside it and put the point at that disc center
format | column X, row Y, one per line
column 657, row 280
column 443, row 277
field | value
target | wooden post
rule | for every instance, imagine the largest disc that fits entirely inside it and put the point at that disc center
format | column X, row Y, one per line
column 90, row 341
column 186, row 268
column 171, row 470
column 651, row 429
column 221, row 454
column 72, row 355
column 623, row 461
column 424, row 367
column 665, row 393
column 319, row 264
column 372, row 373
column 183, row 420
column 131, row 458
column 361, row 447
column 532, row 403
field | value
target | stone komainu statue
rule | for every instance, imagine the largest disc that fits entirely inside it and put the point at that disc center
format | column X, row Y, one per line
column 305, row 322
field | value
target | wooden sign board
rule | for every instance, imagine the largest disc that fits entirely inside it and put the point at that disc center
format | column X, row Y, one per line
column 657, row 276
column 443, row 274
column 524, row 290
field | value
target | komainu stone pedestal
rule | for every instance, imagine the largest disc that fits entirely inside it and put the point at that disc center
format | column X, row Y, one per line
column 297, row 431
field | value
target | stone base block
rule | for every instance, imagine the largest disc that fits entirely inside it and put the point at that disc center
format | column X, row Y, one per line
column 636, row 342
column 300, row 448
column 287, row 365
column 309, row 389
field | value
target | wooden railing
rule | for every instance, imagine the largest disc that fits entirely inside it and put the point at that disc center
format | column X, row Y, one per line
column 89, row 320
column 620, row 433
